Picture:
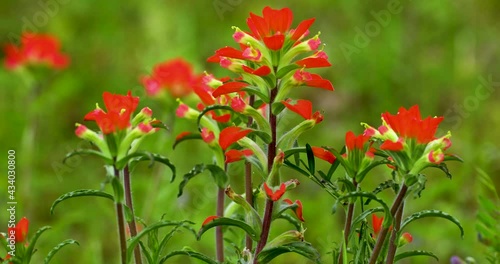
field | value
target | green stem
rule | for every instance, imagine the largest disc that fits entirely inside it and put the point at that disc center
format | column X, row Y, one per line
column 392, row 242
column 219, row 238
column 348, row 222
column 132, row 225
column 271, row 154
column 248, row 180
column 121, row 226
column 383, row 234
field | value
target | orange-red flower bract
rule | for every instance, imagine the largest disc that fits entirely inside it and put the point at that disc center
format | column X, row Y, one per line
column 176, row 76
column 275, row 196
column 230, row 135
column 409, row 124
column 119, row 110
column 377, row 224
column 35, row 48
column 323, row 154
column 298, row 210
column 20, row 231
column 234, row 155
column 355, row 142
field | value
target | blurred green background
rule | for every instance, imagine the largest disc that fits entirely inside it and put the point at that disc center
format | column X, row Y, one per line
column 431, row 53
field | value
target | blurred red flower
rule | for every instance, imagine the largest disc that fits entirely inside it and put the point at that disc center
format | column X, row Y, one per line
column 175, row 76
column 35, row 49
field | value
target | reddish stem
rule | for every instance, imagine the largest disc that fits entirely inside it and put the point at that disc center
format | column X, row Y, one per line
column 271, row 154
column 121, row 225
column 392, row 242
column 131, row 225
column 383, row 234
column 219, row 238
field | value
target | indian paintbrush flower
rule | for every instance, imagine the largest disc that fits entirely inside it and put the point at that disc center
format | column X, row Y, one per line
column 35, row 49
column 175, row 76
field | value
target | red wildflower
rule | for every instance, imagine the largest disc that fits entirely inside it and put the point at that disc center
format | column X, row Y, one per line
column 304, row 109
column 176, row 76
column 301, row 77
column 298, row 210
column 36, row 49
column 119, row 109
column 409, row 124
column 234, row 155
column 230, row 135
column 207, row 135
column 317, row 60
column 275, row 195
column 229, row 87
column 20, row 231
column 355, row 142
column 323, row 154
column 271, row 27
column 392, row 146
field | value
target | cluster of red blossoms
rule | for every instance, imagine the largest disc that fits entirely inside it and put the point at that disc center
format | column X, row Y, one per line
column 17, row 234
column 35, row 49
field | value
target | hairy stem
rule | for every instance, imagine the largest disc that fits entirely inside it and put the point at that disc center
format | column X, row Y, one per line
column 383, row 234
column 271, row 154
column 248, row 180
column 392, row 242
column 348, row 222
column 121, row 226
column 219, row 238
column 131, row 225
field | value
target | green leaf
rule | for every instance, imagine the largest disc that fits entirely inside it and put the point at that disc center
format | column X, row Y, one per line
column 32, row 242
column 190, row 253
column 284, row 70
column 57, row 248
column 80, row 193
column 169, row 235
column 387, row 218
column 79, row 152
column 414, row 253
column 310, row 159
column 292, row 220
column 361, row 175
column 219, row 175
column 225, row 221
column 262, row 135
column 119, row 192
column 295, row 167
column 382, row 186
column 253, row 90
column 303, row 248
column 146, row 252
column 432, row 213
column 186, row 137
column 212, row 108
column 146, row 156
column 452, row 157
column 132, row 242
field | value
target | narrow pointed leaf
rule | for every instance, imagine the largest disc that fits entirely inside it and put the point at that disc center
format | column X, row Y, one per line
column 57, row 248
column 303, row 248
column 310, row 159
column 224, row 221
column 185, row 138
column 132, row 242
column 432, row 213
column 32, row 242
column 212, row 108
column 80, row 193
column 414, row 253
column 147, row 156
column 81, row 152
column 190, row 253
column 219, row 175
